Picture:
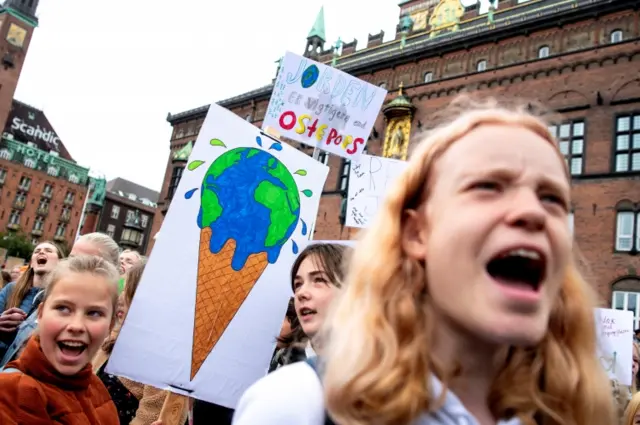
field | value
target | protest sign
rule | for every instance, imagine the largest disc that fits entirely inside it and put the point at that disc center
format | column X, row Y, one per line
column 323, row 107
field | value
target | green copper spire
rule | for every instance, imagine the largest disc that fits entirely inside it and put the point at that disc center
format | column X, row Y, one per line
column 318, row 26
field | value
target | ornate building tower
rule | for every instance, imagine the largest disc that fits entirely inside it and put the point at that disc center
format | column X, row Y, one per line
column 398, row 115
column 316, row 37
column 17, row 22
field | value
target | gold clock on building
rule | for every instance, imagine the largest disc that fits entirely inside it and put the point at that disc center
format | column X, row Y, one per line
column 16, row 35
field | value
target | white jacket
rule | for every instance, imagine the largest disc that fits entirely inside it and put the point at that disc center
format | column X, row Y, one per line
column 293, row 395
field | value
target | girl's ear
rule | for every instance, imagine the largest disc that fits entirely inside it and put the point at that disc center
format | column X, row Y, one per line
column 40, row 310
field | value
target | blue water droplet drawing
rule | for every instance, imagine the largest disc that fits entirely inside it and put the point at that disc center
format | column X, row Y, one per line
column 190, row 193
column 295, row 247
column 259, row 141
column 304, row 227
column 276, row 147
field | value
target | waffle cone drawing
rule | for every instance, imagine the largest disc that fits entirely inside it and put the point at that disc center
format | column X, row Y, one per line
column 220, row 292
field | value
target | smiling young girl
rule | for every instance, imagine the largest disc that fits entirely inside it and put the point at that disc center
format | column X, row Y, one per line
column 52, row 381
column 463, row 303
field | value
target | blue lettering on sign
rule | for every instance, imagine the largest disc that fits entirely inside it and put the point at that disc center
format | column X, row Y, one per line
column 310, row 76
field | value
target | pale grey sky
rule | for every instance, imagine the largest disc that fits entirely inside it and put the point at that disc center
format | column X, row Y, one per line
column 106, row 73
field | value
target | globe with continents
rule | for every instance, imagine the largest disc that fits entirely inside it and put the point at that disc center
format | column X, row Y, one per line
column 249, row 196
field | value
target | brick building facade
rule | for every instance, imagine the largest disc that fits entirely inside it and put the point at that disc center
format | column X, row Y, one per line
column 126, row 215
column 578, row 57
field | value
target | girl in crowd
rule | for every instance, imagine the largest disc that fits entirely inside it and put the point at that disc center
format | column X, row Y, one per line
column 128, row 259
column 52, row 381
column 97, row 244
column 462, row 303
column 16, row 272
column 18, row 299
column 137, row 404
column 316, row 278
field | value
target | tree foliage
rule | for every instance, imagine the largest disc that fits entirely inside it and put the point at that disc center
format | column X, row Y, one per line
column 16, row 244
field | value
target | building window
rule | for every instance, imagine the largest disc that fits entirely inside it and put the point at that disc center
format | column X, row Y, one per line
column 248, row 118
column 190, row 130
column 481, row 65
column 627, row 146
column 626, row 296
column 38, row 224
column 52, row 171
column 74, row 179
column 570, row 137
column 144, row 221
column 25, row 183
column 571, row 222
column 60, row 230
column 383, row 85
column 176, row 175
column 324, row 158
column 132, row 236
column 111, row 230
column 344, row 174
column 29, row 163
column 3, row 175
column 48, row 190
column 131, row 217
column 627, row 220
column 616, row 36
column 14, row 218
column 68, row 198
column 5, row 154
column 543, row 52
column 180, row 133
column 428, row 77
column 115, row 212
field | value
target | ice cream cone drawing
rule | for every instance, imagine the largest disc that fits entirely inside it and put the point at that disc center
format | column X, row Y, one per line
column 249, row 209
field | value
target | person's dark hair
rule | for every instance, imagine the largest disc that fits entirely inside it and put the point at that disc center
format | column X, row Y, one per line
column 6, row 277
column 25, row 282
column 296, row 334
column 330, row 258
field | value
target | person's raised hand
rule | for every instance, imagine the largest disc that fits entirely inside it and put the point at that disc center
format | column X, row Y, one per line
column 11, row 318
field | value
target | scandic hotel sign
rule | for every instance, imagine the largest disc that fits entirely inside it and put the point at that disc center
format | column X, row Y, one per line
column 46, row 135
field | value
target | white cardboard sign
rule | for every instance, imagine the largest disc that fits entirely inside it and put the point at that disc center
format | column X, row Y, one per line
column 323, row 107
column 369, row 179
column 615, row 343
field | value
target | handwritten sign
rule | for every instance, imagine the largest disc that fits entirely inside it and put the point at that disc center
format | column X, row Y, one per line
column 615, row 343
column 369, row 180
column 323, row 107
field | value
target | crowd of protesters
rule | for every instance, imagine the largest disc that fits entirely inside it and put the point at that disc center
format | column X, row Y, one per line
column 461, row 304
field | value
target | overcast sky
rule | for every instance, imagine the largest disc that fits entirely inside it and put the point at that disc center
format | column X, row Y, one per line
column 106, row 73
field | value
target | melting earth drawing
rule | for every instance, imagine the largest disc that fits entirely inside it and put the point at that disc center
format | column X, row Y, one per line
column 249, row 209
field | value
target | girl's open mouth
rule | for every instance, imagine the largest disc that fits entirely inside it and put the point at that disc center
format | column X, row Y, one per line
column 72, row 348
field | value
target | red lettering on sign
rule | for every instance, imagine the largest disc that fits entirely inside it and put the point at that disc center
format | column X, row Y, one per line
column 292, row 116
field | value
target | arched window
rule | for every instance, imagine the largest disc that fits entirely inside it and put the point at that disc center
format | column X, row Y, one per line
column 481, row 66
column 383, row 85
column 616, row 36
column 5, row 154
column 29, row 163
column 543, row 52
column 428, row 77
column 626, row 296
column 248, row 118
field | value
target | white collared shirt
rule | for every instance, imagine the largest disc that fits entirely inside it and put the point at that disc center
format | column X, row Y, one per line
column 293, row 395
